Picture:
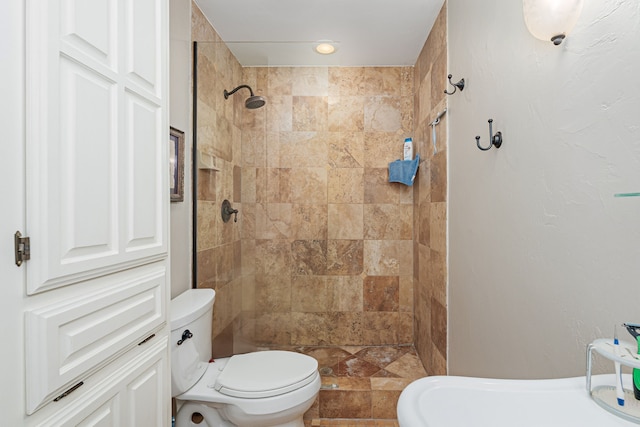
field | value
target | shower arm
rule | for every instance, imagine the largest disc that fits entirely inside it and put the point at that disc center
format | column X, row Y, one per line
column 228, row 94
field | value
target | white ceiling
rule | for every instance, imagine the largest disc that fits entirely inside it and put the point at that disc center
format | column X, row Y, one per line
column 282, row 32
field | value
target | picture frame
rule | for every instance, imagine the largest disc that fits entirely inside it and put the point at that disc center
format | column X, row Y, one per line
column 176, row 165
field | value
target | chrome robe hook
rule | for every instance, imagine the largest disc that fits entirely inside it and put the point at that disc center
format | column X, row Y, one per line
column 494, row 140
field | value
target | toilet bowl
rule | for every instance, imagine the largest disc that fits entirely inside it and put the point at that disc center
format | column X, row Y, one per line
column 259, row 389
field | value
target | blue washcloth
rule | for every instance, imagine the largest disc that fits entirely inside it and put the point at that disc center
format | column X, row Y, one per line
column 404, row 171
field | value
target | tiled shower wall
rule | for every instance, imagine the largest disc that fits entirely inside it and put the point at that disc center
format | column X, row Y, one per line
column 218, row 130
column 430, row 197
column 330, row 237
column 325, row 251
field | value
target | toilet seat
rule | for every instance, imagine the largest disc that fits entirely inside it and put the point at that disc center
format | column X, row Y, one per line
column 265, row 374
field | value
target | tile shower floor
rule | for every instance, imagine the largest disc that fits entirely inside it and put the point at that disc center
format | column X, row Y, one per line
column 361, row 385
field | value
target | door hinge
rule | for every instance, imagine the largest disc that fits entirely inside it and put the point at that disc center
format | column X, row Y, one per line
column 23, row 248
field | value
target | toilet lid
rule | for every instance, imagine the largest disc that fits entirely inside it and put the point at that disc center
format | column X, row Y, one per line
column 265, row 374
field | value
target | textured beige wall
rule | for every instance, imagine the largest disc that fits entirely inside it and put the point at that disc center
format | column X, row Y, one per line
column 181, row 255
column 430, row 202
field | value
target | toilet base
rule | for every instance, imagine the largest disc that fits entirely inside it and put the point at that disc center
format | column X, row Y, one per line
column 213, row 417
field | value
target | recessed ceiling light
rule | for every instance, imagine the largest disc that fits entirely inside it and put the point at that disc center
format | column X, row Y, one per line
column 324, row 47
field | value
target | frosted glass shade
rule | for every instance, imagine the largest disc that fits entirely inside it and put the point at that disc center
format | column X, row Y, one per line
column 551, row 20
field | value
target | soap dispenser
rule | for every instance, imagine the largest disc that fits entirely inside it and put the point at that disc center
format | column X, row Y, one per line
column 634, row 330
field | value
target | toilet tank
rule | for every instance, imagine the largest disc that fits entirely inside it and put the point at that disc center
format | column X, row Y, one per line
column 191, row 317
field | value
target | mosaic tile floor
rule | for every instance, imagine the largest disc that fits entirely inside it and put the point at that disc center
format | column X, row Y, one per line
column 361, row 385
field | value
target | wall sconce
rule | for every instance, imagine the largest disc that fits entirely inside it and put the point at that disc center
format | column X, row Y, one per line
column 551, row 19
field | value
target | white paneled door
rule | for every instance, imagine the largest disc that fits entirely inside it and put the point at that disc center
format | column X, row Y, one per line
column 88, row 184
column 96, row 128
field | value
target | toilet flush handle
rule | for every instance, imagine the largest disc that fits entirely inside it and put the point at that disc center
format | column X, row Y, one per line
column 185, row 336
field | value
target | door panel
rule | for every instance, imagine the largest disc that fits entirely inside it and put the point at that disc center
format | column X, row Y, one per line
column 143, row 54
column 136, row 389
column 68, row 339
column 96, row 38
column 97, row 197
column 86, row 187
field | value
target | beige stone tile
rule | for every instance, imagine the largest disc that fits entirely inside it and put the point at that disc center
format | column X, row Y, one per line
column 388, row 222
column 349, row 383
column 346, row 113
column 327, row 356
column 254, row 148
column 206, row 224
column 273, row 328
column 346, row 81
column 406, row 116
column 248, row 293
column 439, row 81
column 272, row 148
column 405, row 328
column 310, row 113
column 378, row 189
column 425, row 103
column 279, row 113
column 383, row 114
column 345, row 221
column 311, row 294
column 384, row 403
column 439, row 326
column 303, row 149
column 405, row 257
column 424, row 224
column 248, row 185
column 345, row 404
column 381, row 293
column 308, row 185
column 309, row 222
column 438, row 178
column 310, row 81
column 273, row 257
column 311, row 328
column 351, row 349
column 346, row 185
column 382, row 148
column 280, row 80
column 273, row 220
column 273, row 185
column 406, row 81
column 405, row 298
column 408, row 366
column 347, row 293
column 397, row 384
column 383, row 81
column 438, row 362
column 344, row 257
column 438, row 229
column 438, row 274
column 347, row 149
column 248, row 221
column 309, row 257
column 273, row 293
column 348, row 329
column 381, row 258
column 380, row 328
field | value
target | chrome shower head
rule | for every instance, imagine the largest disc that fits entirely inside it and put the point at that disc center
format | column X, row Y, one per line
column 253, row 102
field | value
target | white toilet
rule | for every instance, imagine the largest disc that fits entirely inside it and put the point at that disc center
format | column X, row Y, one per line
column 260, row 389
